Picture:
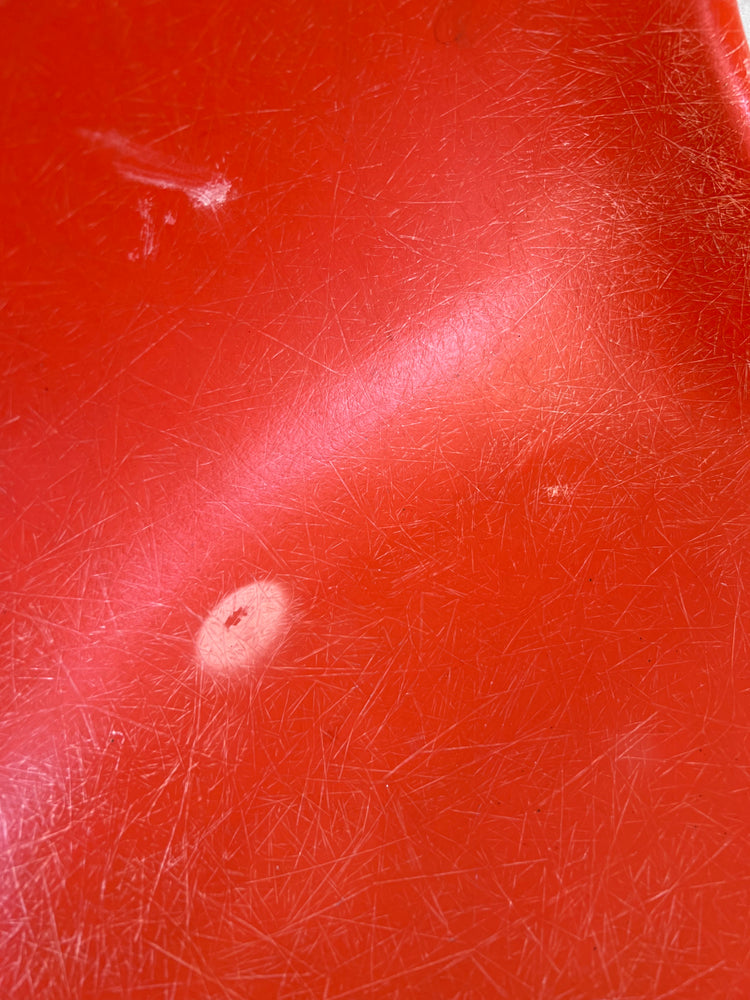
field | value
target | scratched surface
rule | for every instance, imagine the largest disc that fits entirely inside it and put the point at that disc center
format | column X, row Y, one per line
column 375, row 475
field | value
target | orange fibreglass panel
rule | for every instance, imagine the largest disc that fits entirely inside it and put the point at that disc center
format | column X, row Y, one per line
column 428, row 321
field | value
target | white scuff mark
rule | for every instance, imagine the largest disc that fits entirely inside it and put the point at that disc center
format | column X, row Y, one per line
column 243, row 626
column 144, row 165
column 559, row 491
column 148, row 230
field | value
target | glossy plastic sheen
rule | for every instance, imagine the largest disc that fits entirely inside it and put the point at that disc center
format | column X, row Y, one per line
column 375, row 486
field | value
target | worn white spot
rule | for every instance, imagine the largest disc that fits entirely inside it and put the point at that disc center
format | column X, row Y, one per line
column 148, row 166
column 243, row 626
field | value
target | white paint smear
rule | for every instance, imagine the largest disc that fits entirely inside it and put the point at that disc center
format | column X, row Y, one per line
column 243, row 626
column 145, row 165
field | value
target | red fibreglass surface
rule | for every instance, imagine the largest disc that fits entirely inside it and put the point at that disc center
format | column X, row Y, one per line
column 431, row 318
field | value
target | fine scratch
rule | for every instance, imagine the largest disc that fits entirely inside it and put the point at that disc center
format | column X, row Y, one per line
column 144, row 165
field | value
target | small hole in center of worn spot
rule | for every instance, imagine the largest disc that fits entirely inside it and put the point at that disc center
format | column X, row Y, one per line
column 235, row 618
